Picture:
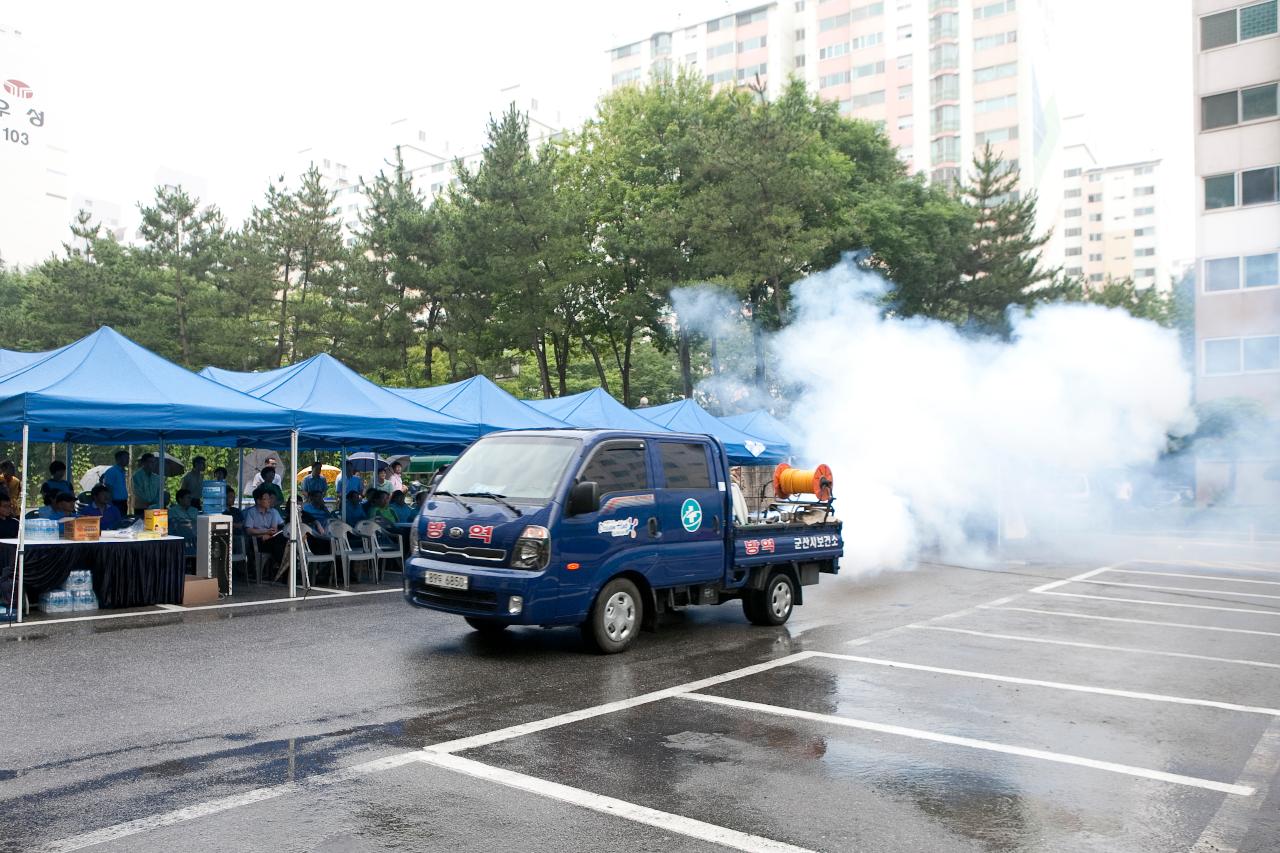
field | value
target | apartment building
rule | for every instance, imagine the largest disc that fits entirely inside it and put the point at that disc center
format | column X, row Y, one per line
column 1237, row 155
column 1108, row 223
column 942, row 77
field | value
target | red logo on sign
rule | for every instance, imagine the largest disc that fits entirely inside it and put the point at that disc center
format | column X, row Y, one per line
column 435, row 529
column 767, row 545
column 753, row 546
column 18, row 89
column 482, row 532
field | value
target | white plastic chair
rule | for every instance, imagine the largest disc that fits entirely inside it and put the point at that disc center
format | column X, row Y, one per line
column 383, row 545
column 349, row 554
column 311, row 558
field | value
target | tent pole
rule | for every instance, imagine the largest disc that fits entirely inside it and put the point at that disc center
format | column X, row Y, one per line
column 163, row 476
column 295, row 535
column 70, row 475
column 342, row 478
column 240, row 479
column 18, row 595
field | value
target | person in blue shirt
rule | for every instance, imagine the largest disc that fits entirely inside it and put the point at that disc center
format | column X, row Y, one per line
column 63, row 505
column 355, row 508
column 104, row 508
column 315, row 481
column 404, row 512
column 351, row 482
column 57, row 482
column 116, row 478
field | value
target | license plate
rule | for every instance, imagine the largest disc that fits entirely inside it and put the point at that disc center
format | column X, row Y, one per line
column 446, row 580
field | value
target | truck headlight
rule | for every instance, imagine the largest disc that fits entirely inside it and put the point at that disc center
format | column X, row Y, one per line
column 515, row 604
column 533, row 549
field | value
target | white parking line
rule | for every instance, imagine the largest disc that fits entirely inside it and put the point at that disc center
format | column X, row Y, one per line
column 1055, row 584
column 1251, row 565
column 1230, row 825
column 609, row 707
column 665, row 821
column 1192, row 577
column 1184, row 589
column 1079, row 645
column 1164, row 603
column 1055, row 685
column 974, row 743
column 1070, row 615
column 222, row 804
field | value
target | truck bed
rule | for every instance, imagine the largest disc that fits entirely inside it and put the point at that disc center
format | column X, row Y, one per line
column 762, row 544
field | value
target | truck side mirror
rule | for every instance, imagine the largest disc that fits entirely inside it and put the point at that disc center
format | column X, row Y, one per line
column 584, row 498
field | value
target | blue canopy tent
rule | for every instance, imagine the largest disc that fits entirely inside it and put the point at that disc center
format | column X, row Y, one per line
column 480, row 402
column 763, row 426
column 334, row 407
column 106, row 389
column 688, row 416
column 12, row 359
column 594, row 409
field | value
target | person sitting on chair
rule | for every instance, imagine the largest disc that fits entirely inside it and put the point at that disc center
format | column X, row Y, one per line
column 57, row 481
column 377, row 509
column 61, row 505
column 403, row 511
column 316, row 516
column 263, row 523
column 355, row 510
column 8, row 521
column 103, row 507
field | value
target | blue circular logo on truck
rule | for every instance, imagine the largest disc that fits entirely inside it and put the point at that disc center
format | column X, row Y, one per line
column 691, row 515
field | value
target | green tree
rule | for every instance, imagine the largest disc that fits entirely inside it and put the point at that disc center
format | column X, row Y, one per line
column 182, row 250
column 1147, row 303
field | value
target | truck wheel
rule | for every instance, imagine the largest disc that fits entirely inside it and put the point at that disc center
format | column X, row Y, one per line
column 488, row 627
column 615, row 617
column 773, row 604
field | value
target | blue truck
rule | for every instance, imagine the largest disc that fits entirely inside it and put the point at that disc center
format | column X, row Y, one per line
column 604, row 530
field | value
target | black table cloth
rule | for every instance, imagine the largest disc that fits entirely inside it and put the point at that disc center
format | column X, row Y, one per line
column 125, row 574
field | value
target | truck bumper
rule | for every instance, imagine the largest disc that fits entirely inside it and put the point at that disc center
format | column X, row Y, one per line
column 489, row 592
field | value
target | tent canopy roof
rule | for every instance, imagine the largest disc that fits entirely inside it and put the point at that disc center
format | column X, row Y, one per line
column 688, row 416
column 481, row 402
column 106, row 389
column 594, row 409
column 336, row 407
column 763, row 426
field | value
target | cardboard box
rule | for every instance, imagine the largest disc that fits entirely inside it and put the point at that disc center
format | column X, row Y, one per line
column 196, row 591
column 156, row 520
column 85, row 528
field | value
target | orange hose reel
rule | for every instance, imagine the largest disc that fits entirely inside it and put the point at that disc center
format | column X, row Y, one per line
column 788, row 481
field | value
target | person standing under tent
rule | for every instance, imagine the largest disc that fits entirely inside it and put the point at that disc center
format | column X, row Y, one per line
column 352, row 482
column 264, row 477
column 396, row 477
column 116, row 478
column 193, row 482
column 381, row 482
column 315, row 481
column 148, row 485
column 9, row 481
column 271, row 483
column 57, row 481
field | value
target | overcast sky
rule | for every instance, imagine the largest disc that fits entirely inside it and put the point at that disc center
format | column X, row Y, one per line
column 229, row 92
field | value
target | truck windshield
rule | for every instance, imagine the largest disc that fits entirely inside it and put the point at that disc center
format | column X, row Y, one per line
column 526, row 468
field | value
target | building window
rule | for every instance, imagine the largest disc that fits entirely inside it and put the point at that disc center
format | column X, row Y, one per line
column 1258, row 186
column 800, row 34
column 1072, row 232
column 868, row 40
column 1069, row 173
column 833, row 22
column 800, row 61
column 1095, row 217
column 1144, row 253
column 1144, row 232
column 720, row 77
column 720, row 24
column 1229, row 27
column 944, row 87
column 437, row 167
column 1143, row 211
column 904, row 32
column 627, row 76
column 626, row 50
column 991, row 137
column 944, row 57
column 1242, row 355
column 833, row 50
column 1094, row 198
column 1095, row 277
column 1094, row 177
column 945, row 119
column 945, row 149
column 837, row 79
column 1222, row 356
column 868, row 11
column 1075, row 271
column 867, row 100
column 1073, row 250
column 904, row 92
column 1071, row 211
column 752, row 44
column 661, row 44
column 751, row 17
column 1221, row 274
column 1075, row 193
column 1219, row 191
column 1145, row 272
column 946, row 176
column 1095, row 238
column 1137, row 191
column 988, row 42
column 868, row 69
column 799, row 5
column 991, row 10
column 1230, row 108
column 905, row 122
column 720, row 50
column 944, row 26
column 1095, row 259
column 752, row 71
column 1144, row 170
column 1262, row 270
column 904, row 61
column 995, row 72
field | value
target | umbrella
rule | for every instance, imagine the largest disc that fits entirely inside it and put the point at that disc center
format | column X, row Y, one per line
column 172, row 468
column 366, row 461
column 329, row 472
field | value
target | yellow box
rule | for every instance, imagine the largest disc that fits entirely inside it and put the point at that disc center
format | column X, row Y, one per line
column 156, row 520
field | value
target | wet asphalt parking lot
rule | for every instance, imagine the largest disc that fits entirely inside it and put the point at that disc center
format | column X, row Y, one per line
column 1125, row 704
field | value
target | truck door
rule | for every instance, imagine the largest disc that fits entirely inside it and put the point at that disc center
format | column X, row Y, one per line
column 690, row 513
column 617, row 536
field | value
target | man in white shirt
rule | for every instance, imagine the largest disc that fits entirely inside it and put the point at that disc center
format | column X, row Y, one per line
column 395, row 478
column 272, row 462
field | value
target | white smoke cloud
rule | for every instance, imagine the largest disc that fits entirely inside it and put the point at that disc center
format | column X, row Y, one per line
column 933, row 435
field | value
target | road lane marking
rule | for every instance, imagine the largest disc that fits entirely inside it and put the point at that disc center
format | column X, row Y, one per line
column 1079, row 645
column 1163, row 603
column 1055, row 685
column 1070, row 615
column 1193, row 577
column 522, row 729
column 1055, row 584
column 1232, row 822
column 1184, row 589
column 974, row 743
column 665, row 821
column 1243, row 565
column 222, row 804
